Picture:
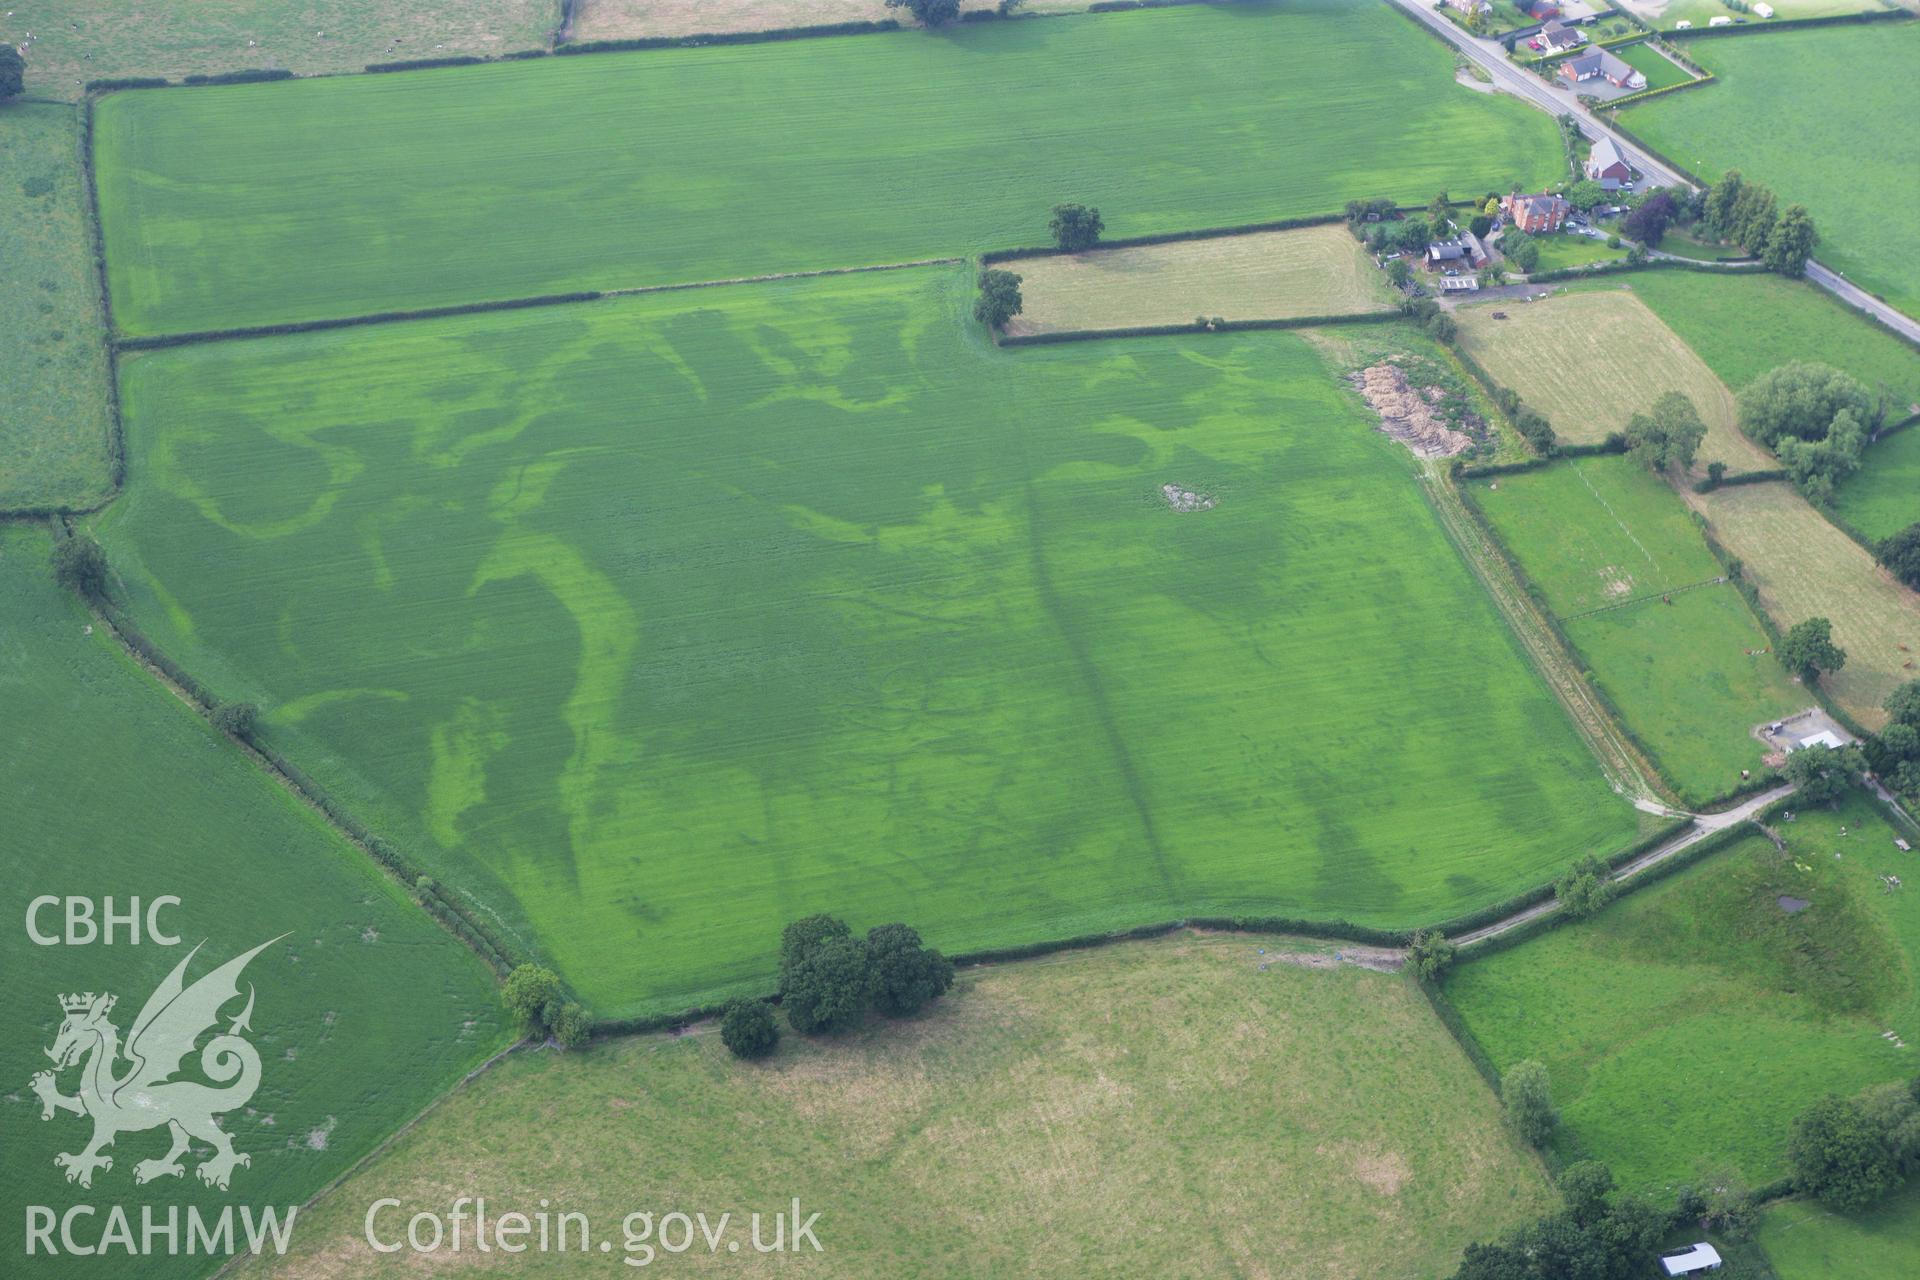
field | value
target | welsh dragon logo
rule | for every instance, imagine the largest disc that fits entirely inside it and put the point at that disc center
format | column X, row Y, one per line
column 146, row 1096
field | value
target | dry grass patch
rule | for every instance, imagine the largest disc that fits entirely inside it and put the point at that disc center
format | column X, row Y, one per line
column 1591, row 360
column 1265, row 275
column 1804, row 567
column 1176, row 1107
column 632, row 19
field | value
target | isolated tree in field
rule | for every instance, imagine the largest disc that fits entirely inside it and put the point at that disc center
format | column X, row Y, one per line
column 929, row 13
column 1584, row 1187
column 747, row 1028
column 13, row 71
column 1527, row 1095
column 80, row 565
column 999, row 300
column 1818, row 466
column 1839, row 1155
column 1901, row 554
column 1584, row 888
column 829, row 987
column 1800, row 399
column 1075, row 227
column 534, row 996
column 908, row 975
column 1821, row 774
column 1791, row 243
column 1668, row 435
column 1809, row 649
column 1649, row 222
column 236, row 719
column 1429, row 953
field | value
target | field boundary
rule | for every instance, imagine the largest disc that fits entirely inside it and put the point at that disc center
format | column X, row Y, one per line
column 1628, row 604
column 1223, row 326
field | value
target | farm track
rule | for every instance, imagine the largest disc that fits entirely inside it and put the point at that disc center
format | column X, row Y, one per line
column 1619, row 760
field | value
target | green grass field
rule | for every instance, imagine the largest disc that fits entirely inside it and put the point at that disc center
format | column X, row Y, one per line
column 364, row 1013
column 1661, row 71
column 1850, row 159
column 1883, row 497
column 1686, row 1024
column 1560, row 251
column 1603, row 538
column 1162, row 1108
column 263, row 203
column 1665, row 13
column 1807, row 1242
column 1744, row 325
column 53, row 366
column 661, row 621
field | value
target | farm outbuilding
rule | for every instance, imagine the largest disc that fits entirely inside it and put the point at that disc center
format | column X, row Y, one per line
column 1692, row 1261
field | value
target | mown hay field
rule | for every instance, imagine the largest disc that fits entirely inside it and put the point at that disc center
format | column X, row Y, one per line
column 1605, row 540
column 1883, row 497
column 1685, row 1025
column 1146, row 1100
column 627, row 19
column 1806, row 1241
column 55, row 422
column 79, row 40
column 364, row 1013
column 1803, row 568
column 253, row 204
column 661, row 621
column 1593, row 358
column 1267, row 275
column 1850, row 157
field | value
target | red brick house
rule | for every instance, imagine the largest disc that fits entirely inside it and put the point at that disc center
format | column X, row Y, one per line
column 1607, row 166
column 1536, row 214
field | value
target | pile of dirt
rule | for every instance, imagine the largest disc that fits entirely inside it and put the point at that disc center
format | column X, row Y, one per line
column 1181, row 499
column 1407, row 415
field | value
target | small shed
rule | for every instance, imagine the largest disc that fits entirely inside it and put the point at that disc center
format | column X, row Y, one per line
column 1693, row 1260
column 1825, row 738
column 1902, row 845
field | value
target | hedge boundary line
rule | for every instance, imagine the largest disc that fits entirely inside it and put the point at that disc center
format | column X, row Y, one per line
column 995, row 256
column 1622, row 267
column 1708, row 485
column 1782, row 24
column 1224, row 326
column 771, row 36
column 1632, row 98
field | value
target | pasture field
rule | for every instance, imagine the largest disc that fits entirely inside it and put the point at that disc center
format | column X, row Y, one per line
column 365, row 1011
column 1852, row 158
column 1592, row 358
column 1691, row 1020
column 1805, row 1241
column 1559, row 251
column 660, row 621
column 1267, row 275
column 1661, row 71
column 1744, row 325
column 254, row 204
column 1045, row 1118
column 1883, row 497
column 79, row 40
column 55, row 424
column 1689, row 677
column 1804, row 567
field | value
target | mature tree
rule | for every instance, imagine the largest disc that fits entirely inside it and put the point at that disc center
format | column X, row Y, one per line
column 829, row 987
column 1668, row 435
column 1801, row 399
column 1495, row 1262
column 1480, row 224
column 1753, row 217
column 1903, row 704
column 1399, row 272
column 1718, row 204
column 238, row 719
column 13, row 71
column 1521, row 249
column 929, row 13
column 1817, row 466
column 570, row 1025
column 534, row 996
column 1075, row 227
column 1528, row 1097
column 1822, row 774
column 1585, row 1186
column 1901, row 554
column 799, row 939
column 1839, row 1155
column 79, row 564
column 1414, row 235
column 907, row 974
column 1429, row 954
column 1791, row 243
column 1584, row 887
column 1649, row 222
column 1809, row 649
column 999, row 300
column 1439, row 213
column 747, row 1028
column 1585, row 194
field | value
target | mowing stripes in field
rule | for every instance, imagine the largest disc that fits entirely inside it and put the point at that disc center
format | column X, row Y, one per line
column 663, row 620
column 255, row 204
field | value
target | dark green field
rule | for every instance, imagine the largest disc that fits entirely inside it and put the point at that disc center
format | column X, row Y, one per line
column 365, row 1012
column 1883, row 497
column 661, row 621
column 261, row 203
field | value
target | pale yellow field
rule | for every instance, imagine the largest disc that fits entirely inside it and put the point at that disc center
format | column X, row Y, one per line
column 1804, row 567
column 1266, row 275
column 1591, row 360
column 629, row 19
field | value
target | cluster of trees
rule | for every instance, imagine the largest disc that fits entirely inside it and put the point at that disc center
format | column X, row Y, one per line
column 1521, row 249
column 1822, row 776
column 999, row 299
column 929, row 13
column 80, row 565
column 1408, row 235
column 1585, row 887
column 1667, row 435
column 1894, row 753
column 1429, row 953
column 1817, row 418
column 1851, row 1152
column 1438, row 324
column 13, row 71
column 1901, row 554
column 538, row 1002
column 1599, row 1233
column 1530, row 422
column 1746, row 213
